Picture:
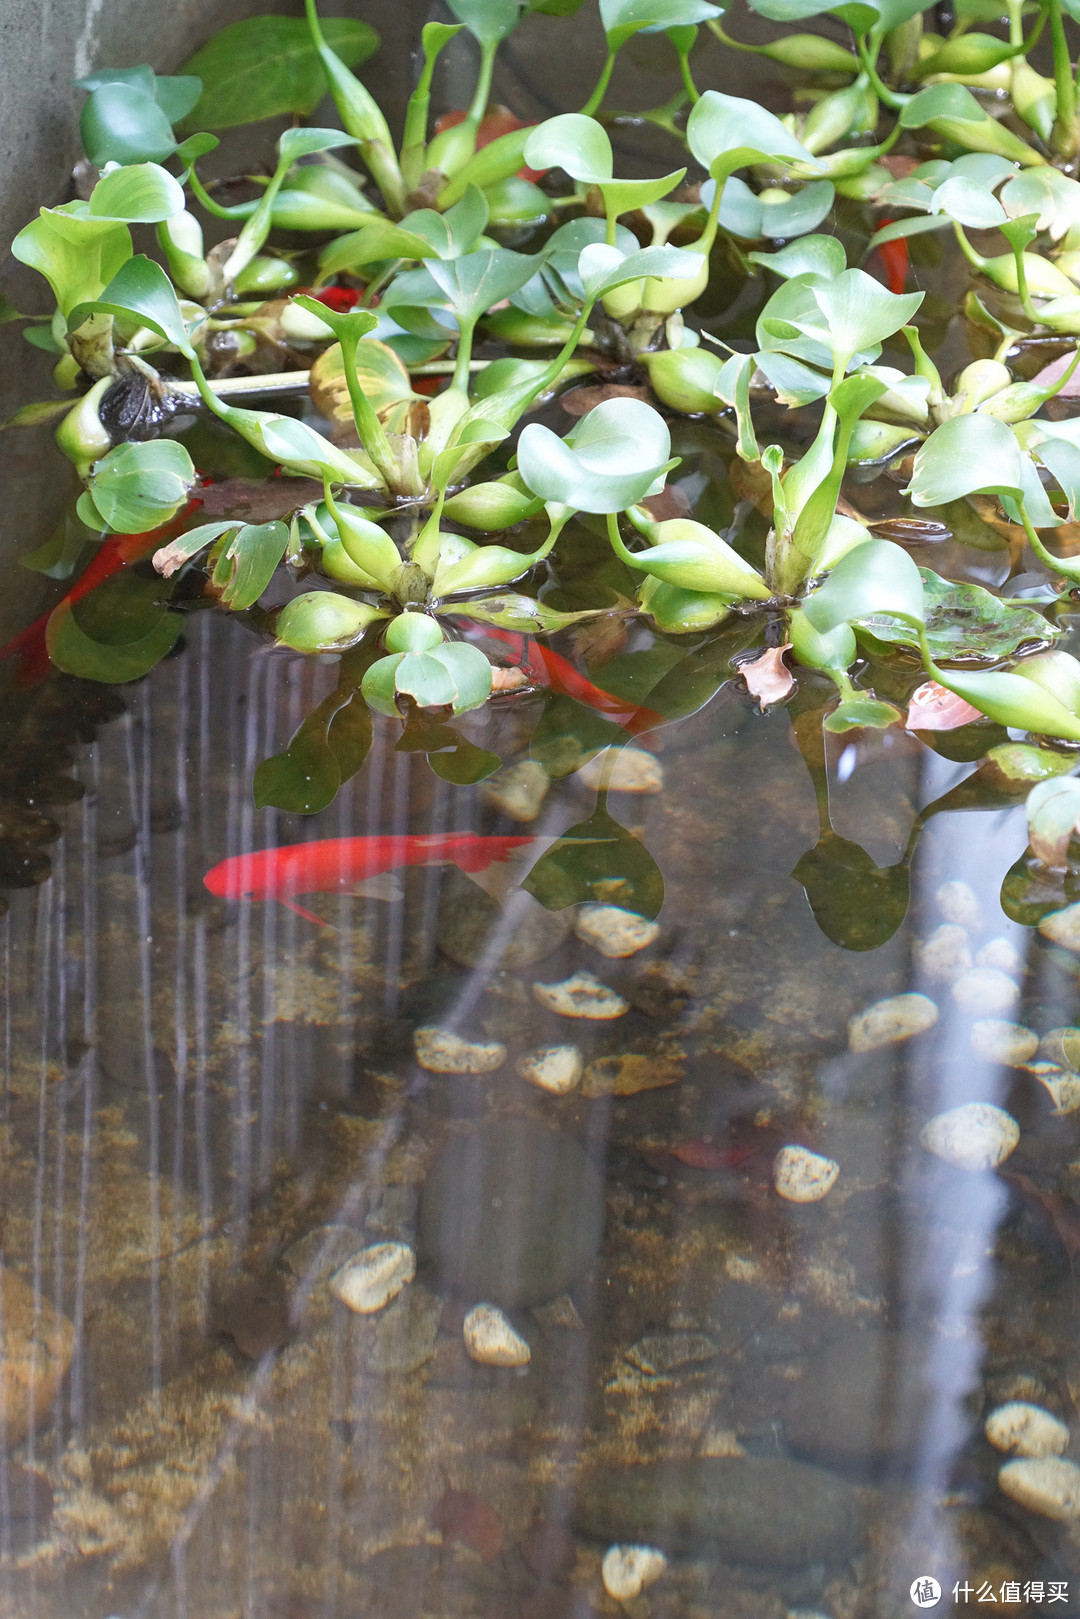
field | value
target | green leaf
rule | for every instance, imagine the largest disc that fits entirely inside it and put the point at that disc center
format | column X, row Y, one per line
column 857, row 904
column 965, row 621
column 328, row 748
column 42, row 410
column 572, row 142
column 249, row 561
column 877, row 577
column 488, row 20
column 62, row 552
column 121, row 123
column 604, row 268
column 306, row 140
column 172, row 557
column 726, row 133
column 141, row 287
column 76, row 256
column 142, row 192
column 941, row 101
column 474, row 283
column 968, row 203
column 137, row 487
column 854, row 312
column 814, row 255
column 598, row 860
column 266, row 67
column 623, row 18
column 803, row 211
column 965, row 456
column 613, row 460
column 117, row 633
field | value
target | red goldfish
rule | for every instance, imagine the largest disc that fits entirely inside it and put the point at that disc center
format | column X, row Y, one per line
column 117, row 551
column 895, row 261
column 340, row 863
column 547, row 668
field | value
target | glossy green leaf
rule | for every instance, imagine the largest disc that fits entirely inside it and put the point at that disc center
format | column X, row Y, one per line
column 941, row 101
column 117, row 633
column 862, row 712
column 874, row 578
column 624, row 18
column 121, row 123
column 512, row 611
column 727, row 133
column 572, row 142
column 141, row 287
column 965, row 621
column 490, row 21
column 474, row 283
column 598, row 860
column 610, row 462
column 172, row 557
column 968, row 203
column 964, row 456
column 803, row 211
column 77, row 256
column 142, row 192
column 318, row 620
column 1013, row 701
column 137, row 487
column 1053, row 809
column 847, row 314
column 265, row 67
column 604, row 268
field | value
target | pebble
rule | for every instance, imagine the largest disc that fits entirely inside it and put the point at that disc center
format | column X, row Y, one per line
column 974, row 1136
column 315, row 1255
column 614, row 932
column 518, row 790
column 1007, row 1043
column 888, row 1021
column 803, row 1176
column 861, row 1403
column 661, row 1352
column 1063, row 927
column 1062, row 1084
column 946, row 953
column 374, row 1276
column 628, row 1074
column 512, row 1212
column 984, row 991
column 1026, row 1430
column 1061, row 1046
column 763, row 1510
column 441, row 1051
column 490, row 1339
column 958, row 903
column 634, row 771
column 1044, row 1484
column 1002, row 954
column 557, row 1069
column 628, row 1570
column 36, row 1343
column 581, row 996
column 401, row 1338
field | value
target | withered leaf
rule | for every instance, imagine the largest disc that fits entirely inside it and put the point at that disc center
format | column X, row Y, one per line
column 934, row 708
column 767, row 676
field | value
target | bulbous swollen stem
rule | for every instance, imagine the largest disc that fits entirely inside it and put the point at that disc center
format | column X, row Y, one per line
column 371, row 431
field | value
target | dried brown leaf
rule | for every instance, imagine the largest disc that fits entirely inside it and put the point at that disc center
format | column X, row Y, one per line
column 767, row 676
column 934, row 708
column 579, row 401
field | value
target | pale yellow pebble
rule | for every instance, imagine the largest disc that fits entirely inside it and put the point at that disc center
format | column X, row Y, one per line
column 1026, row 1430
column 629, row 1570
column 888, row 1021
column 441, row 1051
column 1007, row 1043
column 491, row 1340
column 581, row 996
column 984, row 991
column 946, row 953
column 557, row 1069
column 614, row 932
column 958, row 902
column 1048, row 1485
column 802, row 1176
column 374, row 1276
column 1002, row 954
column 632, row 770
column 1063, row 927
column 974, row 1136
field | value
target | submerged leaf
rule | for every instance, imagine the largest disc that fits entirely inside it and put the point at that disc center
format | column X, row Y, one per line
column 856, row 903
column 598, row 860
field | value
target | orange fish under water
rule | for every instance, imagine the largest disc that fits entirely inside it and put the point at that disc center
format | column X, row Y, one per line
column 333, row 864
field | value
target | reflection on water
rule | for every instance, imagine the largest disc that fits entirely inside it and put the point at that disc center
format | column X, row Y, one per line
column 211, row 1105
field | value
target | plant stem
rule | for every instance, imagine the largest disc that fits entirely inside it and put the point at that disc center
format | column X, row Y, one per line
column 1063, row 137
column 887, row 97
column 602, row 83
column 463, row 362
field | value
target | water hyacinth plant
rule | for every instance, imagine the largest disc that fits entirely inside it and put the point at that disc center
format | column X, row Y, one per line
column 466, row 271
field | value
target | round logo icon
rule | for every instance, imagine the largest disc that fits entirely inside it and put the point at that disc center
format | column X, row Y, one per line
column 925, row 1592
